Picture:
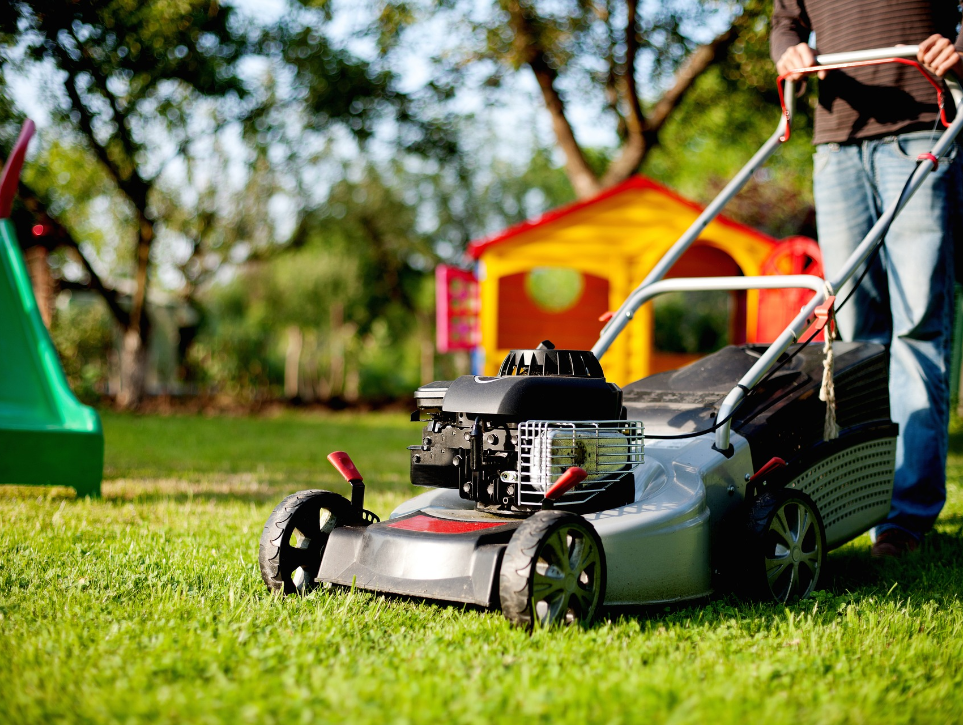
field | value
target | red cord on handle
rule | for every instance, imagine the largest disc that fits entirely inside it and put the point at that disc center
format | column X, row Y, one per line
column 342, row 461
column 858, row 64
column 566, row 482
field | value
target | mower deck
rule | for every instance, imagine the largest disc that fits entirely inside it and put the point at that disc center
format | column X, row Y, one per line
column 421, row 555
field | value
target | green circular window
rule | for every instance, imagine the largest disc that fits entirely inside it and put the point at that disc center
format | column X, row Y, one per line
column 554, row 289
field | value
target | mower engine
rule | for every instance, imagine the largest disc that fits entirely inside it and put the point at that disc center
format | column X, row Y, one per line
column 502, row 441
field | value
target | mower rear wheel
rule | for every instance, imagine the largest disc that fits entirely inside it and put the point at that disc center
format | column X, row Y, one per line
column 787, row 545
column 294, row 538
column 553, row 571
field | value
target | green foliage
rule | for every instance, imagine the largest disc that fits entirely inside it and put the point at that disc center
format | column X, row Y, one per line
column 83, row 333
column 692, row 322
column 81, row 196
column 139, row 42
column 158, row 85
column 585, row 42
column 233, row 353
column 351, row 285
column 480, row 192
column 515, row 194
column 147, row 607
column 157, row 121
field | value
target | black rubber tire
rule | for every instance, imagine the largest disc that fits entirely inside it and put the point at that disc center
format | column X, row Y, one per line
column 531, row 555
column 299, row 514
column 786, row 546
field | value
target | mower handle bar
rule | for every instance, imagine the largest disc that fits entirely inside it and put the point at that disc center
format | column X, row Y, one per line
column 731, row 284
column 805, row 317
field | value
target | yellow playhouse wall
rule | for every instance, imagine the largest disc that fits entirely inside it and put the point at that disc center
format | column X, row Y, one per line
column 494, row 266
column 621, row 255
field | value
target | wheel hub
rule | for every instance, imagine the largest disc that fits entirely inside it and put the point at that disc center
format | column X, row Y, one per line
column 793, row 548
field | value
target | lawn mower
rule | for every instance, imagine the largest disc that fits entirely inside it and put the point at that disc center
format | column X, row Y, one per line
column 552, row 490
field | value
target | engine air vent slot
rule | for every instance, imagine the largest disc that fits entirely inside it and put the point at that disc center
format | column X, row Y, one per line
column 552, row 363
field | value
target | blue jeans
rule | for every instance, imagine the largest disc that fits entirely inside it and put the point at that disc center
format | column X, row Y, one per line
column 904, row 302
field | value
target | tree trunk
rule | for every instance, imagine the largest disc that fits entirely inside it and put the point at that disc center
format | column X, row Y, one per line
column 41, row 280
column 133, row 369
column 427, row 350
column 133, row 358
column 292, row 362
column 336, row 342
column 352, row 382
column 583, row 179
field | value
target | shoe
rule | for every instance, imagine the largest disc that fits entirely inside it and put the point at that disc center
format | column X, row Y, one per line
column 894, row 544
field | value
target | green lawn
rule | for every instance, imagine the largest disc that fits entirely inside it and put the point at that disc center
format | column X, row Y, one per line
column 147, row 607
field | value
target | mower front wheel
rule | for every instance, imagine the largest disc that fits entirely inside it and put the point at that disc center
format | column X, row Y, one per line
column 294, row 538
column 553, row 571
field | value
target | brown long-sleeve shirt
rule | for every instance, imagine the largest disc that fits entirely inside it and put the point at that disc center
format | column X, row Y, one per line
column 876, row 100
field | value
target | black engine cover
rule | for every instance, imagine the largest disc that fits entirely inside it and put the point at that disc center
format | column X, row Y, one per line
column 534, row 398
column 471, row 440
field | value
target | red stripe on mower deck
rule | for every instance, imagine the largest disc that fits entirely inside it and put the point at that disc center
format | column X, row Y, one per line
column 442, row 526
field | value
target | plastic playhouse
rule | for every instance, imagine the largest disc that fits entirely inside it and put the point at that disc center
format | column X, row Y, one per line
column 47, row 437
column 600, row 249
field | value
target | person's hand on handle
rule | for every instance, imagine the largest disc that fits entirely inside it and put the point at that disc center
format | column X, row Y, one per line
column 797, row 56
column 939, row 56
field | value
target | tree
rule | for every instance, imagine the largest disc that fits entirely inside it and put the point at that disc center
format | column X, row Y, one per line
column 129, row 70
column 134, row 82
column 637, row 60
column 730, row 110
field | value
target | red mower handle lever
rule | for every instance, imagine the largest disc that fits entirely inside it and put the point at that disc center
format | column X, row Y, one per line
column 773, row 464
column 565, row 483
column 342, row 461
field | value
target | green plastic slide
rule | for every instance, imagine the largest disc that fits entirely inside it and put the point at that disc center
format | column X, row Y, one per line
column 47, row 437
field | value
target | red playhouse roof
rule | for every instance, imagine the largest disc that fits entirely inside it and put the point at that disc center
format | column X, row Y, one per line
column 635, row 183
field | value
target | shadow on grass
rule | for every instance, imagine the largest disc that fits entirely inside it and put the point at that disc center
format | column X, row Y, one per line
column 239, row 489
column 850, row 577
column 935, row 569
column 234, row 489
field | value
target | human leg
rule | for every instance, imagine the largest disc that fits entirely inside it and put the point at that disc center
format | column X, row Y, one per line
column 919, row 264
column 846, row 209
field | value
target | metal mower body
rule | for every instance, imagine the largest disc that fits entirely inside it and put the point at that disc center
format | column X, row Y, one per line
column 680, row 530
